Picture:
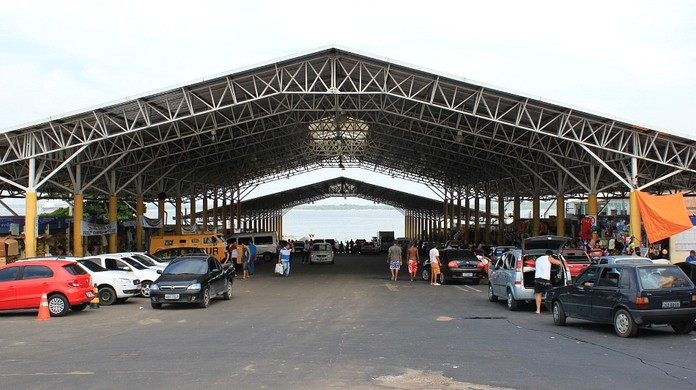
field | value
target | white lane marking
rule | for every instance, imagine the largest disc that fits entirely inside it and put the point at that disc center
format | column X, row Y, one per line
column 468, row 288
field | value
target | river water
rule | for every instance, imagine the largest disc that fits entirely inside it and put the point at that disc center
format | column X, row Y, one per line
column 342, row 225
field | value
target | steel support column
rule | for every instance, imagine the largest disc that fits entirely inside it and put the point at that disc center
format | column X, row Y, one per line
column 113, row 217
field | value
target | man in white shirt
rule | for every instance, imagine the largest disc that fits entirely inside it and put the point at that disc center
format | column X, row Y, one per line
column 542, row 276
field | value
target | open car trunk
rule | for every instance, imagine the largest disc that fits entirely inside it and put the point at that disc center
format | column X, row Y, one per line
column 557, row 278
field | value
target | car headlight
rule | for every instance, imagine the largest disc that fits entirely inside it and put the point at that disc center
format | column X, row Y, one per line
column 194, row 287
column 154, row 287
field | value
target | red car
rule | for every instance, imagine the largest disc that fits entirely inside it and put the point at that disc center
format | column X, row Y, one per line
column 66, row 285
column 577, row 260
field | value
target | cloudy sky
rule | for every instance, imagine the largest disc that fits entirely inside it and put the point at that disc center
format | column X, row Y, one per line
column 633, row 60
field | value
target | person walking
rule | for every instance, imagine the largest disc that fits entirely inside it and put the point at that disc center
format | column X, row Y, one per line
column 305, row 252
column 246, row 258
column 252, row 254
column 434, row 257
column 542, row 276
column 394, row 259
column 413, row 260
column 284, row 258
column 691, row 258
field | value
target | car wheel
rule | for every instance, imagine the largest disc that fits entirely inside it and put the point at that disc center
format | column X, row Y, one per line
column 228, row 292
column 476, row 281
column 266, row 257
column 155, row 305
column 683, row 327
column 107, row 296
column 206, row 298
column 145, row 291
column 58, row 305
column 79, row 307
column 491, row 297
column 441, row 278
column 624, row 326
column 559, row 316
column 512, row 304
column 425, row 275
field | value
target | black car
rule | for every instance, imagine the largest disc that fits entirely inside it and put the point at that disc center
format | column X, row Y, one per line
column 192, row 279
column 628, row 296
column 456, row 264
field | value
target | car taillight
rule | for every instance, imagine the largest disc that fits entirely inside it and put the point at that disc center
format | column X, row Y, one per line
column 452, row 264
column 693, row 300
column 480, row 264
column 73, row 283
column 518, row 268
column 643, row 302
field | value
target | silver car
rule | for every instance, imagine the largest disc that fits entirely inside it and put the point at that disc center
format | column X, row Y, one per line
column 512, row 275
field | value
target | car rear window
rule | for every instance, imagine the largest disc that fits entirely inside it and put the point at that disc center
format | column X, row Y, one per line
column 74, row 269
column 655, row 278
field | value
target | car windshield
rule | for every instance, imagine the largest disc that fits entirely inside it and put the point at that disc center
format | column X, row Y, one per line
column 186, row 267
column 132, row 263
column 654, row 278
column 92, row 266
column 144, row 260
column 322, row 247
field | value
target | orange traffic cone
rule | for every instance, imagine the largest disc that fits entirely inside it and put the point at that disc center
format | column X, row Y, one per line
column 44, row 314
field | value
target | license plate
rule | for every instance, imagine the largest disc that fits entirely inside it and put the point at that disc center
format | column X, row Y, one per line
column 467, row 274
column 670, row 304
column 171, row 296
column 90, row 294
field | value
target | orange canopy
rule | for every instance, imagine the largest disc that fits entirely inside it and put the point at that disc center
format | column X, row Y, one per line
column 663, row 215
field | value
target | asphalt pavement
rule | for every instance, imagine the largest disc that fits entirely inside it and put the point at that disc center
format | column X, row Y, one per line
column 344, row 326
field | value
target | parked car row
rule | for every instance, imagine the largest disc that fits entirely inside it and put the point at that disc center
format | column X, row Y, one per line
column 69, row 282
column 625, row 291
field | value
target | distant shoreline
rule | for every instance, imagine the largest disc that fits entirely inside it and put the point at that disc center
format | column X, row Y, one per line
column 344, row 207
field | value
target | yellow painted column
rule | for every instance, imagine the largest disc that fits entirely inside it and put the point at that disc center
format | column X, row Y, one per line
column 477, row 220
column 467, row 220
column 78, row 215
column 536, row 222
column 178, row 215
column 592, row 210
column 113, row 217
column 501, row 219
column 487, row 229
column 516, row 215
column 215, row 212
column 30, row 219
column 560, row 215
column 223, row 214
column 459, row 211
column 205, row 212
column 192, row 215
column 139, row 212
column 160, row 208
column 635, row 225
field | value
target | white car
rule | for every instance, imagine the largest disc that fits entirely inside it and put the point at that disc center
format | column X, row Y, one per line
column 112, row 286
column 321, row 253
column 115, row 263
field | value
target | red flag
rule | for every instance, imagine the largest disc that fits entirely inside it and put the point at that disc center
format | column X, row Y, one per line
column 663, row 215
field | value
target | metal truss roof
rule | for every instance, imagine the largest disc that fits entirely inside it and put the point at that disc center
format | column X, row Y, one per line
column 337, row 108
column 339, row 187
